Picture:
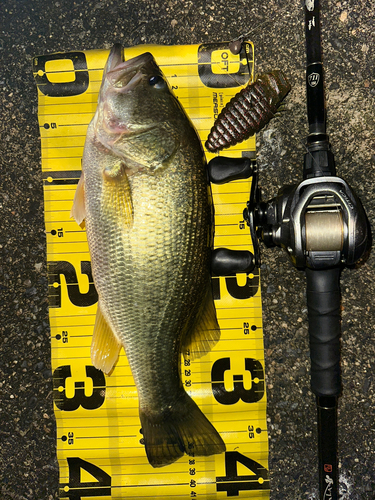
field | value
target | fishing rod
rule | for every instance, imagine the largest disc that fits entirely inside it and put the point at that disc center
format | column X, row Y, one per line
column 322, row 226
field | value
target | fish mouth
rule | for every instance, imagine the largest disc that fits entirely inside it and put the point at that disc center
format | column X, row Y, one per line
column 125, row 75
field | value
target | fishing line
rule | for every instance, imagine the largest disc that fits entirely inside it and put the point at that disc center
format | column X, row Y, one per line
column 235, row 46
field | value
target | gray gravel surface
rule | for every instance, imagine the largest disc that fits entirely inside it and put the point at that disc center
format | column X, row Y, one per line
column 29, row 469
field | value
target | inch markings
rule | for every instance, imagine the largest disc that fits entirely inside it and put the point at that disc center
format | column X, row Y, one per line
column 100, row 449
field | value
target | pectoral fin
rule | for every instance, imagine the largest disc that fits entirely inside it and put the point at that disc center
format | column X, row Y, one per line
column 206, row 332
column 116, row 194
column 105, row 346
column 78, row 211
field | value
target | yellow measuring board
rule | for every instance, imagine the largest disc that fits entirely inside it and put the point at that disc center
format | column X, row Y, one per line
column 99, row 443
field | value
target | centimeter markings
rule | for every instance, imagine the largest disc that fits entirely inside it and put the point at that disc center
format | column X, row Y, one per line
column 102, row 456
column 183, row 82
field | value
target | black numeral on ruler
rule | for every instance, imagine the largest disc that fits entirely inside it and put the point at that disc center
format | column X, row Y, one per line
column 239, row 393
column 79, row 399
column 225, row 79
column 62, row 267
column 62, row 89
column 76, row 489
column 238, row 292
column 233, row 483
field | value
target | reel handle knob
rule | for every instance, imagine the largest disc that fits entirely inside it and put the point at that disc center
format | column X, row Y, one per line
column 226, row 262
column 222, row 169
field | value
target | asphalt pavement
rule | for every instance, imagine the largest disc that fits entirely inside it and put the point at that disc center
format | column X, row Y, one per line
column 29, row 469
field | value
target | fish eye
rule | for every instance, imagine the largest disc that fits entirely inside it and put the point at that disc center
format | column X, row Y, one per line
column 156, row 81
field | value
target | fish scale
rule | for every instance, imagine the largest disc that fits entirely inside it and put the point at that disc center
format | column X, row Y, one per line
column 149, row 244
column 143, row 194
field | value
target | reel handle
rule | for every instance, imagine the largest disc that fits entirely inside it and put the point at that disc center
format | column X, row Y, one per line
column 220, row 170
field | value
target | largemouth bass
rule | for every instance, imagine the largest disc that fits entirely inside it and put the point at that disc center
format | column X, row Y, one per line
column 144, row 197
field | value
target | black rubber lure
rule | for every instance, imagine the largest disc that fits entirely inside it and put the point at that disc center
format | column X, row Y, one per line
column 248, row 111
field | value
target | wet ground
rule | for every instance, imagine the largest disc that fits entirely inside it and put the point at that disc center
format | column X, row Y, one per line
column 29, row 468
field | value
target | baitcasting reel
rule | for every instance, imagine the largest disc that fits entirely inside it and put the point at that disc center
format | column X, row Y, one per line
column 319, row 222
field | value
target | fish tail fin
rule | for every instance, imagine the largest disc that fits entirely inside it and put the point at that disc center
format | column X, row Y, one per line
column 181, row 429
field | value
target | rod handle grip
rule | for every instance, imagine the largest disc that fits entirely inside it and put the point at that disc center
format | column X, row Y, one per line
column 323, row 303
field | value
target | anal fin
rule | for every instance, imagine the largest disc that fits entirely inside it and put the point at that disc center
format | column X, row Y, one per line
column 206, row 332
column 105, row 346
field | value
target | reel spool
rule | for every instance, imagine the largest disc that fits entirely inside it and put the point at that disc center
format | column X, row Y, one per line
column 324, row 231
